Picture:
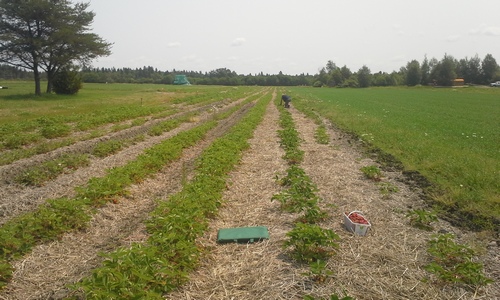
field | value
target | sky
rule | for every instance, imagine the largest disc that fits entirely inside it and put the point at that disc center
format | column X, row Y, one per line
column 292, row 36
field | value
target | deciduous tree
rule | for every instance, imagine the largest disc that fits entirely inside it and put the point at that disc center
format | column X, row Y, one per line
column 426, row 71
column 444, row 71
column 47, row 35
column 364, row 76
column 490, row 68
column 413, row 73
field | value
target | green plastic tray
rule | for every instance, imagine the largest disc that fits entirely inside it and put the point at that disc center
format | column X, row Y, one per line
column 242, row 234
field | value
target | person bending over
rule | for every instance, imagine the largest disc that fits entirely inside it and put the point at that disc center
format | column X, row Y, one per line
column 286, row 99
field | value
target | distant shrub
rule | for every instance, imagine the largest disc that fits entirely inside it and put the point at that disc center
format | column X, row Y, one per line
column 67, row 82
column 318, row 84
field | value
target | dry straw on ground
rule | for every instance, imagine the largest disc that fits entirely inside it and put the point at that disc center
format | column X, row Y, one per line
column 385, row 264
column 44, row 273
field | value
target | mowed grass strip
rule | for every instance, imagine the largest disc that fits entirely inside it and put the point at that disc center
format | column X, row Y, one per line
column 147, row 271
column 450, row 136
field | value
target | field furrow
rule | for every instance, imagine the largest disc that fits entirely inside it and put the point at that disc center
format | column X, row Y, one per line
column 18, row 198
column 253, row 271
column 46, row 271
column 385, row 264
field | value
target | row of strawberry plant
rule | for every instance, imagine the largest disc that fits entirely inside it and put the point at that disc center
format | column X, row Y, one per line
column 321, row 135
column 309, row 242
column 20, row 234
column 19, row 134
column 37, row 175
column 28, row 138
column 58, row 216
column 147, row 271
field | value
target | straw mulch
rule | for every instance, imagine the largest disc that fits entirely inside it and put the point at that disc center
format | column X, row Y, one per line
column 385, row 264
column 44, row 273
column 258, row 270
column 16, row 199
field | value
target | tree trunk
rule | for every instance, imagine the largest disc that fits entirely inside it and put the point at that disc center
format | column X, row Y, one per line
column 50, row 76
column 38, row 89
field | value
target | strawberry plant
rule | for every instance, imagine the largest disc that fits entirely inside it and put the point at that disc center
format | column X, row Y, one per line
column 422, row 219
column 313, row 214
column 453, row 263
column 309, row 242
column 318, row 271
column 372, row 172
column 162, row 127
column 51, row 128
column 107, row 148
column 321, row 136
column 49, row 170
column 386, row 188
column 299, row 196
column 289, row 138
column 5, row 273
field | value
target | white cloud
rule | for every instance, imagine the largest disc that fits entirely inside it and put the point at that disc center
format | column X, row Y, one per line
column 191, row 58
column 398, row 58
column 452, row 38
column 491, row 30
column 397, row 28
column 484, row 29
column 238, row 42
column 174, row 45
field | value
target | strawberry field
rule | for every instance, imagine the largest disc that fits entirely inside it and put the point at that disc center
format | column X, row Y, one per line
column 119, row 194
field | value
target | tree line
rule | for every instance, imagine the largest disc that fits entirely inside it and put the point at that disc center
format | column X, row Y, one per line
column 221, row 76
column 473, row 71
column 442, row 72
column 428, row 72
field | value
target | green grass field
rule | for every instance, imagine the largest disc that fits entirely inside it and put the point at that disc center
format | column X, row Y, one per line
column 449, row 135
column 19, row 104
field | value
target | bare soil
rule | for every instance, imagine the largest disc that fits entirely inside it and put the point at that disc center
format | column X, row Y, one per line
column 387, row 263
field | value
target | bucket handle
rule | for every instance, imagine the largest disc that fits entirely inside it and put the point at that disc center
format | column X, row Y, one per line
column 355, row 211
